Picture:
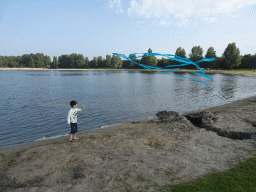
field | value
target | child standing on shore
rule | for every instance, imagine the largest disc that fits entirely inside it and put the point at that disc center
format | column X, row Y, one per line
column 72, row 116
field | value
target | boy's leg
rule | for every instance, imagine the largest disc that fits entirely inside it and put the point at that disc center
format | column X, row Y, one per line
column 75, row 133
column 75, row 136
column 70, row 137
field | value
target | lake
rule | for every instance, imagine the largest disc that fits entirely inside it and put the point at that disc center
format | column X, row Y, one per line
column 35, row 104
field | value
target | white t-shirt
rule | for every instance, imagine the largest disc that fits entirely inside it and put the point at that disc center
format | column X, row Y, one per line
column 72, row 115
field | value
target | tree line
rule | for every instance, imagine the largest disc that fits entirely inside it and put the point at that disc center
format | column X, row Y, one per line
column 231, row 58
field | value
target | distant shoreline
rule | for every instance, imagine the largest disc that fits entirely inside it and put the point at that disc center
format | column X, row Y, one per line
column 253, row 73
column 46, row 69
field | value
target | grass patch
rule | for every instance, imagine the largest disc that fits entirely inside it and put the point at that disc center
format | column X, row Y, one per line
column 241, row 178
column 242, row 70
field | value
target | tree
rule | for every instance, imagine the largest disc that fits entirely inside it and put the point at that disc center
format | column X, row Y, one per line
column 151, row 60
column 60, row 62
column 86, row 65
column 125, row 64
column 94, row 63
column 47, row 61
column 119, row 64
column 91, row 64
column 195, row 55
column 1, row 61
column 18, row 59
column 12, row 62
column 72, row 60
column 248, row 61
column 232, row 56
column 64, row 61
column 144, row 59
column 220, row 62
column 209, row 54
column 39, row 60
column 31, row 61
column 148, row 60
column 25, row 60
column 5, row 61
column 179, row 52
column 163, row 62
column 131, row 64
column 245, row 61
column 114, row 62
column 108, row 61
column 100, row 62
column 55, row 62
column 80, row 62
column 104, row 63
column 253, row 62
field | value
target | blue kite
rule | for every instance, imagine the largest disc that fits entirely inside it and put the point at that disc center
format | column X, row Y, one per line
column 176, row 58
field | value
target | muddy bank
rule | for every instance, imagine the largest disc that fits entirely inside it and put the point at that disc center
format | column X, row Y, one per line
column 143, row 156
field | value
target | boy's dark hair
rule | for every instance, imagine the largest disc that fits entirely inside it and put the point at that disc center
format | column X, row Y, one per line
column 72, row 103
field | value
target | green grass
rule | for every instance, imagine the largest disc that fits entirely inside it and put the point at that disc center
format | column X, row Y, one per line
column 242, row 69
column 239, row 179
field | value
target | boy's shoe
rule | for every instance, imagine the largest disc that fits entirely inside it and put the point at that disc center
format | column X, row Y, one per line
column 76, row 138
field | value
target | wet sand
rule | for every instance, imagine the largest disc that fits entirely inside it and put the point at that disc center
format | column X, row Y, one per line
column 141, row 156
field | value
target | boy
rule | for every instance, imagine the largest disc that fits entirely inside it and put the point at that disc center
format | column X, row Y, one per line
column 72, row 114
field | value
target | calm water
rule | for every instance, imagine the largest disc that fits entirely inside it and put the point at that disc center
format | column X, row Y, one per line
column 35, row 104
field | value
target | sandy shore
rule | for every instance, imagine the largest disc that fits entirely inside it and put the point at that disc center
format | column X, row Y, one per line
column 253, row 73
column 142, row 156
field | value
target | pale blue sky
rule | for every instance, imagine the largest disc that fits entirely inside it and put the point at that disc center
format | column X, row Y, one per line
column 97, row 28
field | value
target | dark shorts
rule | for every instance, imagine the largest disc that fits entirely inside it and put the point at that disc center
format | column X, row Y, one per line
column 73, row 128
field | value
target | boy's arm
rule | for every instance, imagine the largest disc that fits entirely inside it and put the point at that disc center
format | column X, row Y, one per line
column 68, row 117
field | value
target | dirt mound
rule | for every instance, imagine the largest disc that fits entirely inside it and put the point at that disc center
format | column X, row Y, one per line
column 225, row 125
column 202, row 118
column 175, row 123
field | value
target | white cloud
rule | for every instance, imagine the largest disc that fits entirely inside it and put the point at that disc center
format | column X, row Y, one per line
column 116, row 3
column 210, row 19
column 233, row 15
column 183, row 9
column 165, row 23
column 230, row 6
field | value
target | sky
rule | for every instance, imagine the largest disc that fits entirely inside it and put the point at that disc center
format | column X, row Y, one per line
column 99, row 28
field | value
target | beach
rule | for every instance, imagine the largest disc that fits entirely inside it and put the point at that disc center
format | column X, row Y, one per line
column 171, row 148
